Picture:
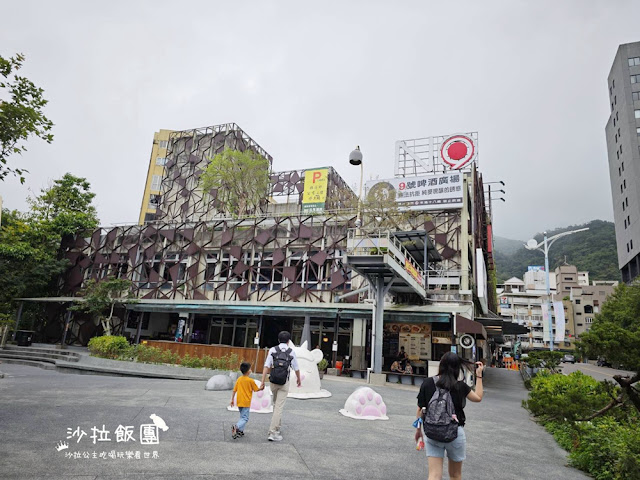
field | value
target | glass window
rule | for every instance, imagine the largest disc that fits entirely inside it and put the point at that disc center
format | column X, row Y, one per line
column 227, row 332
column 636, row 96
column 240, row 332
column 156, row 180
column 635, row 61
column 162, row 144
column 216, row 330
column 637, row 113
column 161, row 161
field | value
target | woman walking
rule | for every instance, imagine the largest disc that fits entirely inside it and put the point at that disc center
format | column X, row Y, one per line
column 448, row 379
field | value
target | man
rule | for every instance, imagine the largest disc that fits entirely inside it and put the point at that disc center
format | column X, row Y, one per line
column 402, row 358
column 279, row 391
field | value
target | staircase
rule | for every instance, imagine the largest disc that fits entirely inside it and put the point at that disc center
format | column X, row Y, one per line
column 42, row 357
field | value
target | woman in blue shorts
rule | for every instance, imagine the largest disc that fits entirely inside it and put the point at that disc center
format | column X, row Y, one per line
column 448, row 378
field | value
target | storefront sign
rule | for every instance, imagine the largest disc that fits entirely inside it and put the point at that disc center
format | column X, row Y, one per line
column 421, row 193
column 441, row 340
column 315, row 190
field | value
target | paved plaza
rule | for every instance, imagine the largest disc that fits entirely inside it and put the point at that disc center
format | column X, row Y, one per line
column 39, row 406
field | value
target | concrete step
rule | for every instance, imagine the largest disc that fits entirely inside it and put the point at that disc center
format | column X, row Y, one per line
column 42, row 352
column 30, row 363
column 43, row 358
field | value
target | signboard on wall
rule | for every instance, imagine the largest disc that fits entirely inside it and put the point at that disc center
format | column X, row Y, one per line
column 430, row 192
column 315, row 190
column 408, row 266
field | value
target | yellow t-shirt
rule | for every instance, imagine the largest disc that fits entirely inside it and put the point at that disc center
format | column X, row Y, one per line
column 245, row 386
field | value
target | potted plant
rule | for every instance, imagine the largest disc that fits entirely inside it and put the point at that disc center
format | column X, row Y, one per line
column 322, row 366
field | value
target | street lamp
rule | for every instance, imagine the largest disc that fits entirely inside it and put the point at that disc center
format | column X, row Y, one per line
column 547, row 242
column 355, row 158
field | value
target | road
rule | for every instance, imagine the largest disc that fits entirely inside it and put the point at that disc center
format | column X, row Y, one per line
column 42, row 408
column 599, row 373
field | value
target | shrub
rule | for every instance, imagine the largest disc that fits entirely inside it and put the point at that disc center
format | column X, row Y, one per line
column 570, row 397
column 191, row 362
column 109, row 346
column 148, row 354
column 322, row 365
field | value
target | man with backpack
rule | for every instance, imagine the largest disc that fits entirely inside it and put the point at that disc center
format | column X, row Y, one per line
column 277, row 364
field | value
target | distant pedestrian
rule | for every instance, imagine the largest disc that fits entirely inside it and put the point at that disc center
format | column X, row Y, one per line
column 435, row 388
column 402, row 358
column 279, row 360
column 244, row 388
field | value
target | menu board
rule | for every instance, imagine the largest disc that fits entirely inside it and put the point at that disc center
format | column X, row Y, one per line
column 417, row 345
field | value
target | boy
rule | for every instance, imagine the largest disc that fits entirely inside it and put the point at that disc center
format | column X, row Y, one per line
column 245, row 386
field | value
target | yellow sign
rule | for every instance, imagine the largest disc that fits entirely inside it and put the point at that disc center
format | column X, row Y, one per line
column 315, row 190
column 408, row 266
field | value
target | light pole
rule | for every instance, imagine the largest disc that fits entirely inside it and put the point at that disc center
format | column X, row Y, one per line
column 547, row 242
column 355, row 158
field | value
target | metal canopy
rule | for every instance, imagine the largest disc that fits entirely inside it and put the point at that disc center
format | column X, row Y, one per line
column 413, row 242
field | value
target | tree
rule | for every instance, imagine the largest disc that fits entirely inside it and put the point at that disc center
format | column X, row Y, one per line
column 31, row 259
column 102, row 297
column 241, row 180
column 21, row 104
column 615, row 334
column 63, row 209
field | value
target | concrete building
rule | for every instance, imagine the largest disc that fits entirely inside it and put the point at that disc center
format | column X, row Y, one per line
column 567, row 277
column 151, row 197
column 623, row 149
column 587, row 302
column 204, row 275
column 536, row 279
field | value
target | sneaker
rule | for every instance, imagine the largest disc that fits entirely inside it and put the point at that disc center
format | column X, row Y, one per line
column 234, row 432
column 240, row 434
column 274, row 437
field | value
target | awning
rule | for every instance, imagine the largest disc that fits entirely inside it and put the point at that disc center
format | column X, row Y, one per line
column 464, row 325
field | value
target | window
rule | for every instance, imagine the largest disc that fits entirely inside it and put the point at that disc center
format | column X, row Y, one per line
column 617, row 117
column 579, row 324
column 627, row 247
column 577, row 301
column 628, row 220
column 626, row 200
column 619, row 172
column 588, row 319
column 614, row 122
column 588, row 309
column 161, row 161
column 154, row 200
column 156, row 180
column 623, row 206
column 635, row 78
column 638, row 129
column 624, row 182
column 631, row 244
column 616, row 137
column 615, row 99
column 636, row 96
column 162, row 144
column 635, row 61
column 619, row 135
column 625, row 223
column 568, row 279
column 622, row 165
column 613, row 83
column 620, row 188
column 637, row 113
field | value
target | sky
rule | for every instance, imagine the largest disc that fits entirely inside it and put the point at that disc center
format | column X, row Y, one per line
column 309, row 81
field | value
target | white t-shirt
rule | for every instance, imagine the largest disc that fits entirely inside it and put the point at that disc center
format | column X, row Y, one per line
column 283, row 346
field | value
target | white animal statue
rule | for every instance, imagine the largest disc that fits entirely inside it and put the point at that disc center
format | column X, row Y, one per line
column 309, row 375
column 260, row 401
column 365, row 404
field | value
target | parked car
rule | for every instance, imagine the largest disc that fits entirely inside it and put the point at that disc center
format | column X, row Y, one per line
column 568, row 358
column 602, row 362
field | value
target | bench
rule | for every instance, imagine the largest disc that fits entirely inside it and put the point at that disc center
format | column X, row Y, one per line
column 355, row 373
column 401, row 376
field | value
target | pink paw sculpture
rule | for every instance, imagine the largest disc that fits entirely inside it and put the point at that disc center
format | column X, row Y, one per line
column 365, row 404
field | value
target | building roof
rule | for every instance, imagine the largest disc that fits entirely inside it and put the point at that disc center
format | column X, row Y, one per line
column 514, row 281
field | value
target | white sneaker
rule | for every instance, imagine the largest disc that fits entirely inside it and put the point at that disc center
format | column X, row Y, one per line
column 274, row 437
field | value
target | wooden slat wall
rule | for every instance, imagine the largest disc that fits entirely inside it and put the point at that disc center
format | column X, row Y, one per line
column 215, row 351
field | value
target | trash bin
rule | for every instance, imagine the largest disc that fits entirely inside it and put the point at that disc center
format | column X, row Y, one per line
column 24, row 337
column 339, row 367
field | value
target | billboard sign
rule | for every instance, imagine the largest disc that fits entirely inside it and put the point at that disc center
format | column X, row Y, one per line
column 535, row 268
column 429, row 192
column 408, row 266
column 315, row 190
column 457, row 151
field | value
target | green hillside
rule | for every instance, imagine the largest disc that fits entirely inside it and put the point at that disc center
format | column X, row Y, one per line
column 593, row 251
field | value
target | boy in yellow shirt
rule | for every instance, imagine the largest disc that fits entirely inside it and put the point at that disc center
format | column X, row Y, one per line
column 245, row 386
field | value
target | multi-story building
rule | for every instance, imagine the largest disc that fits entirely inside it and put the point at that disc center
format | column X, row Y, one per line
column 300, row 262
column 152, row 196
column 587, row 301
column 623, row 149
column 535, row 278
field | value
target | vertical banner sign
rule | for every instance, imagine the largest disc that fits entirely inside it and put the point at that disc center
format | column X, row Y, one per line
column 545, row 323
column 558, row 309
column 408, row 266
column 315, row 190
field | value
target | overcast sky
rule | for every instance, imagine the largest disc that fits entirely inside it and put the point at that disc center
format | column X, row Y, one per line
column 310, row 81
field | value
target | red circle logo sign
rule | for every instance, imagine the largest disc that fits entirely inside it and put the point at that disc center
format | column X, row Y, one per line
column 457, row 151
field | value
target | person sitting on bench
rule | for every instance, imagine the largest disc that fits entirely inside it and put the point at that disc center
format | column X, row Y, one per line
column 408, row 369
column 395, row 367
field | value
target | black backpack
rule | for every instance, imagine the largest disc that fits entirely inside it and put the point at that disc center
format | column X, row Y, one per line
column 438, row 417
column 280, row 369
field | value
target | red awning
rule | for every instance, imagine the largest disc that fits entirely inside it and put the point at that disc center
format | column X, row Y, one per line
column 464, row 325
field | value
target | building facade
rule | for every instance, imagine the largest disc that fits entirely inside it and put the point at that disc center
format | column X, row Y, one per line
column 623, row 150
column 204, row 275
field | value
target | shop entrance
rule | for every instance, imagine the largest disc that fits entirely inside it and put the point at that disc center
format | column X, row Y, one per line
column 271, row 327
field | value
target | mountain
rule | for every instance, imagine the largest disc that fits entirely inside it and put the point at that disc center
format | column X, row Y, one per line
column 593, row 251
